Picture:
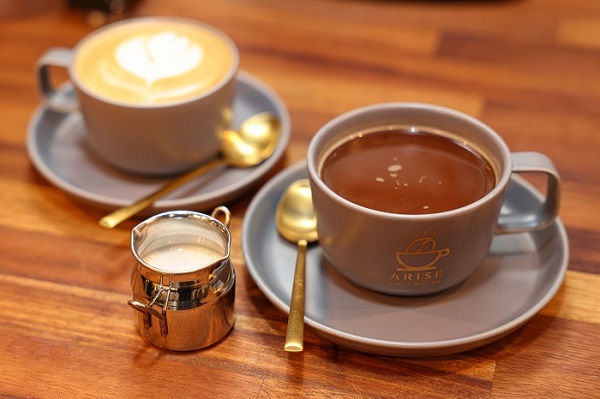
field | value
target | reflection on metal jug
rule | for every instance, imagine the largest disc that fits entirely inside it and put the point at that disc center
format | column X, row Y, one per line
column 184, row 283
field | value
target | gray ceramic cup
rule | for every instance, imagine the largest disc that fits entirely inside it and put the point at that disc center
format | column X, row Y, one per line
column 411, row 255
column 139, row 136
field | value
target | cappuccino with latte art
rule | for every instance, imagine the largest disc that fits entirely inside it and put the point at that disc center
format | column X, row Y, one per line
column 152, row 62
column 156, row 93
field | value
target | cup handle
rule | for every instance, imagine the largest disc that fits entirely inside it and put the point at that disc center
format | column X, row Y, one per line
column 542, row 216
column 57, row 100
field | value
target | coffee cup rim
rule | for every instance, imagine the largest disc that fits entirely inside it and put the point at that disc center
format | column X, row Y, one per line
column 145, row 20
column 317, row 142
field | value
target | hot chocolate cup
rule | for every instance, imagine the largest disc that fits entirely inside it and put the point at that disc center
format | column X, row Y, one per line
column 155, row 93
column 418, row 254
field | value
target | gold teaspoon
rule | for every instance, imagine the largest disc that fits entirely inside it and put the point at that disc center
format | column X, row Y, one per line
column 297, row 223
column 255, row 142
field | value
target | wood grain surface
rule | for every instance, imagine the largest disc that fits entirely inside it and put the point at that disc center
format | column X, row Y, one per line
column 528, row 68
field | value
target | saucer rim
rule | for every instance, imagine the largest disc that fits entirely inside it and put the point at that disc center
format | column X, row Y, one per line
column 392, row 347
column 202, row 200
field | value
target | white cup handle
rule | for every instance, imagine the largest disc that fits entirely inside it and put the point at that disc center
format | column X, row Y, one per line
column 57, row 100
column 542, row 216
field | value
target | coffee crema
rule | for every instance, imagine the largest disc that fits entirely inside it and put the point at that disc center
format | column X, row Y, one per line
column 407, row 171
column 153, row 62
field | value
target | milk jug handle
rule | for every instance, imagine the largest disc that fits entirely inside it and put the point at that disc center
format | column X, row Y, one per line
column 64, row 101
column 224, row 211
column 149, row 312
column 546, row 212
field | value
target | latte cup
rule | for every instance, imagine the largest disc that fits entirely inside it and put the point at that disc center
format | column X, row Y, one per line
column 155, row 93
column 424, row 253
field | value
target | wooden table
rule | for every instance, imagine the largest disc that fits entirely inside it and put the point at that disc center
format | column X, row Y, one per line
column 530, row 69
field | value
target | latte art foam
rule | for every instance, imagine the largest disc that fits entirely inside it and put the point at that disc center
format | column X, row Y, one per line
column 158, row 56
column 153, row 62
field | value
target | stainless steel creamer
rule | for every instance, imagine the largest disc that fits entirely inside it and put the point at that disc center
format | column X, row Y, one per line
column 184, row 283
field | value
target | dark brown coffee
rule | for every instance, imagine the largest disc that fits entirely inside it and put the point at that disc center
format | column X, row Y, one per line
column 407, row 171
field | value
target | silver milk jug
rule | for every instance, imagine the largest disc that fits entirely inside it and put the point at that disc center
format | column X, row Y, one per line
column 184, row 283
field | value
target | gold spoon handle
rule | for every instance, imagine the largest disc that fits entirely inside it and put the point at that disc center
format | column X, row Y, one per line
column 111, row 220
column 294, row 337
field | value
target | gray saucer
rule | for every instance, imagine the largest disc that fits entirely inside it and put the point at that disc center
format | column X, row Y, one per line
column 58, row 150
column 520, row 275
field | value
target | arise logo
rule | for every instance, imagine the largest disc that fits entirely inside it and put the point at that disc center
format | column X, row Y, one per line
column 418, row 261
column 421, row 253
